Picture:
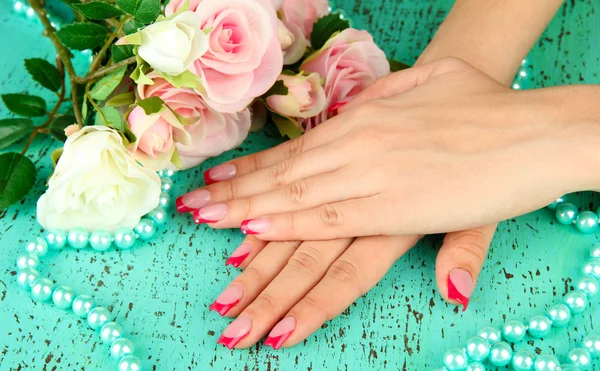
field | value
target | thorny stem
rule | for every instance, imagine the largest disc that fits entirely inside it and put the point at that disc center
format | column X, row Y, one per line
column 98, row 59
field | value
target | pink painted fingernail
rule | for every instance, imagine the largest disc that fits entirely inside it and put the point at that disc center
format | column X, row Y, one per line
column 255, row 226
column 210, row 213
column 460, row 286
column 228, row 299
column 236, row 331
column 219, row 173
column 281, row 332
column 239, row 255
column 192, row 201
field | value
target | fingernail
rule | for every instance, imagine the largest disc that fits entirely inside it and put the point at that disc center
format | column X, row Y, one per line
column 239, row 255
column 460, row 286
column 255, row 226
column 219, row 173
column 236, row 331
column 210, row 213
column 281, row 332
column 192, row 201
column 228, row 299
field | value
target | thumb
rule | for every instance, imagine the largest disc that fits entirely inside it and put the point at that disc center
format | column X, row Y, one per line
column 459, row 262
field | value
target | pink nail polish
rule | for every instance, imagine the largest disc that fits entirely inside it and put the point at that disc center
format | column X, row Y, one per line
column 236, row 331
column 239, row 255
column 192, row 201
column 460, row 286
column 255, row 226
column 219, row 173
column 210, row 214
column 281, row 332
column 228, row 299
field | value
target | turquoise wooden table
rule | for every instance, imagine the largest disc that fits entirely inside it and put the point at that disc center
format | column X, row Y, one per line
column 160, row 291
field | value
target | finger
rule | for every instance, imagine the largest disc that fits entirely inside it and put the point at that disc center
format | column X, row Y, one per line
column 459, row 262
column 321, row 135
column 320, row 160
column 299, row 195
column 356, row 217
column 359, row 268
column 246, row 252
column 304, row 270
column 245, row 287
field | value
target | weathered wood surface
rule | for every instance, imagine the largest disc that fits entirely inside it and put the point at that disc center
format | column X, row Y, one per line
column 160, row 291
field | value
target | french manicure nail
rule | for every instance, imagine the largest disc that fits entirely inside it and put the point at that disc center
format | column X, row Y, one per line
column 228, row 299
column 236, row 331
column 281, row 332
column 460, row 286
column 239, row 255
column 210, row 214
column 192, row 201
column 219, row 173
column 255, row 226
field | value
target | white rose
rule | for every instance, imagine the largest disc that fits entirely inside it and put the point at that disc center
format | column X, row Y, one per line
column 171, row 46
column 97, row 184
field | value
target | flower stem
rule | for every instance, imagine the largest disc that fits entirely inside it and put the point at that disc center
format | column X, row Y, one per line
column 105, row 70
column 98, row 59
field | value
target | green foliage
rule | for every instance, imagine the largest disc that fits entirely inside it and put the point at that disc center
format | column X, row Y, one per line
column 287, row 126
column 151, row 105
column 82, row 35
column 57, row 127
column 17, row 175
column 278, row 88
column 121, row 100
column 97, row 10
column 12, row 130
column 121, row 52
column 144, row 11
column 325, row 27
column 107, row 84
column 44, row 72
column 396, row 66
column 25, row 105
column 109, row 116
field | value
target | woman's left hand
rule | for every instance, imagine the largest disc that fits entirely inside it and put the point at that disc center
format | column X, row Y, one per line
column 454, row 150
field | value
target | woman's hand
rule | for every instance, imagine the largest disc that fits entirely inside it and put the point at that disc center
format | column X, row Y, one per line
column 454, row 151
column 289, row 289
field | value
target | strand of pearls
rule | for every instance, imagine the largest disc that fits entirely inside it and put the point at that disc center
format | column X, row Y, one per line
column 84, row 306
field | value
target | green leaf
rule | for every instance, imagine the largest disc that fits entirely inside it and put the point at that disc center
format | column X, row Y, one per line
column 17, row 175
column 55, row 155
column 11, row 130
column 57, row 127
column 287, row 126
column 25, row 105
column 110, row 117
column 186, row 79
column 145, row 11
column 44, row 73
column 97, row 10
column 82, row 35
column 278, row 88
column 121, row 52
column 107, row 84
column 120, row 100
column 325, row 27
column 176, row 159
column 396, row 66
column 151, row 105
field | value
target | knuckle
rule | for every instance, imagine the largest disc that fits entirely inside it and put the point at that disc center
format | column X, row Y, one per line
column 316, row 308
column 230, row 189
column 346, row 272
column 265, row 303
column 471, row 243
column 330, row 216
column 295, row 147
column 297, row 192
column 306, row 260
column 280, row 171
column 253, row 274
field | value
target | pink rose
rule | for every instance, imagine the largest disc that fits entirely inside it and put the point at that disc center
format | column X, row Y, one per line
column 244, row 57
column 350, row 62
column 299, row 17
column 211, row 132
column 175, row 5
column 305, row 98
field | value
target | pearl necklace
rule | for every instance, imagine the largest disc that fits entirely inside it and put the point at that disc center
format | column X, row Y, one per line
column 488, row 344
column 82, row 305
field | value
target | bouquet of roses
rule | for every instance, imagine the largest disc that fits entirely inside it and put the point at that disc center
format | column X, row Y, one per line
column 170, row 86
